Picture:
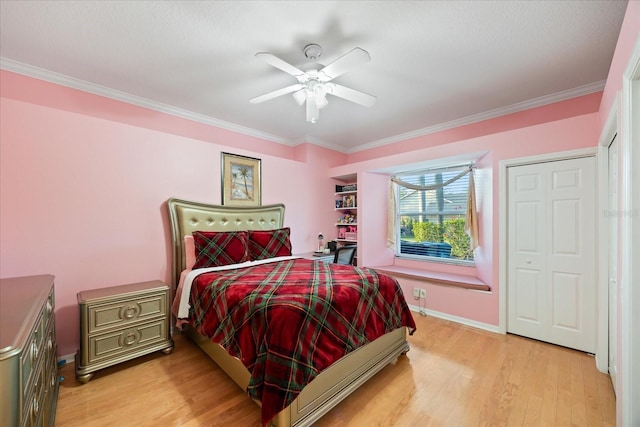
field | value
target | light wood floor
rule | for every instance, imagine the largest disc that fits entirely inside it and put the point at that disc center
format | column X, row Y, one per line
column 452, row 376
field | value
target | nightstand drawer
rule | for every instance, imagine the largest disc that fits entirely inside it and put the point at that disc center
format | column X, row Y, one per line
column 118, row 314
column 110, row 345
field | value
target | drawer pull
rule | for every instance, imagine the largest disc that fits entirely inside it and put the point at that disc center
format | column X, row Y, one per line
column 130, row 338
column 36, row 408
column 130, row 312
column 34, row 351
column 49, row 307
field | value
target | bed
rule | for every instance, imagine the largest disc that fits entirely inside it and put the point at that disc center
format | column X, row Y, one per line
column 332, row 384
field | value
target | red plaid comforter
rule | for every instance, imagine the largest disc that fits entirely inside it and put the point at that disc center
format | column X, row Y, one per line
column 288, row 320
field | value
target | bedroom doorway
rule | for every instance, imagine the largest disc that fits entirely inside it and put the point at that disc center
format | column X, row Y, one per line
column 551, row 286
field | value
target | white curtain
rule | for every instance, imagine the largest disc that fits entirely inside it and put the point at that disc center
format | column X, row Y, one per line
column 392, row 219
column 430, row 187
column 471, row 220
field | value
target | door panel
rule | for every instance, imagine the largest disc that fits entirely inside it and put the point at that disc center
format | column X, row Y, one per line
column 551, row 254
column 526, row 240
column 527, row 298
column 566, row 301
column 565, row 231
column 528, row 214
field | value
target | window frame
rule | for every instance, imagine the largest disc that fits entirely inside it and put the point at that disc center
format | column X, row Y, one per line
column 399, row 214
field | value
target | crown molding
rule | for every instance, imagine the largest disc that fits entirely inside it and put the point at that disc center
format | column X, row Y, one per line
column 487, row 115
column 321, row 143
column 73, row 83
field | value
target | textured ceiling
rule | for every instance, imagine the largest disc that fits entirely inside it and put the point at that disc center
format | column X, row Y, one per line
column 433, row 63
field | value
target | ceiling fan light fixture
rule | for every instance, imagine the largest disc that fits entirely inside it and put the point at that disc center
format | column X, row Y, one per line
column 320, row 95
column 312, row 108
column 300, row 96
column 321, row 101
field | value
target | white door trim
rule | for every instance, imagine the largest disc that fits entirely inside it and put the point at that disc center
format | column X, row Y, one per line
column 503, row 202
column 609, row 131
column 627, row 409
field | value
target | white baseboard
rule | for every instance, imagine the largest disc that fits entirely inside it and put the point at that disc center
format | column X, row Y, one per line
column 69, row 358
column 457, row 319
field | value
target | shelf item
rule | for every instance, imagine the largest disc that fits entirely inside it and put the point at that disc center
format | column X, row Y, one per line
column 121, row 323
column 349, row 201
column 28, row 365
column 346, row 188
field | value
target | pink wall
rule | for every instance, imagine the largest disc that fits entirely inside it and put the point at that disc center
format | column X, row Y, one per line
column 83, row 194
column 556, row 111
column 556, row 134
column 628, row 37
column 38, row 92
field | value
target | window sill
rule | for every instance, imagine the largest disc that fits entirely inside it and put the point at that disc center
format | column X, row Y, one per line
column 447, row 279
column 439, row 260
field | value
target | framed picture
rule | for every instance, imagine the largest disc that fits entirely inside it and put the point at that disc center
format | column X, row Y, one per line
column 241, row 184
column 349, row 201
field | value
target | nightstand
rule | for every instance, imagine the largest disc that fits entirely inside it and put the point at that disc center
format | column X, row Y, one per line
column 121, row 323
column 311, row 255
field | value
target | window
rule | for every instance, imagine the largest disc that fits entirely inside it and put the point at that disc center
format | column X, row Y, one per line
column 431, row 222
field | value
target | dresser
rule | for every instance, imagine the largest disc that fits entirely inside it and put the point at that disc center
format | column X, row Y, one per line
column 28, row 366
column 121, row 323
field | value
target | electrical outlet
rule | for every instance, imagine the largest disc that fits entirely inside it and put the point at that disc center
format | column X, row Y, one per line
column 423, row 293
column 416, row 293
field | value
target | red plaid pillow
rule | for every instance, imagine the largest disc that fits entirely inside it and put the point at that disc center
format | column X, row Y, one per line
column 269, row 244
column 214, row 249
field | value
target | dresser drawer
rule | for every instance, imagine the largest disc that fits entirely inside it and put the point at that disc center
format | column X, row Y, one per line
column 48, row 308
column 34, row 395
column 117, row 314
column 32, row 352
column 36, row 369
column 110, row 345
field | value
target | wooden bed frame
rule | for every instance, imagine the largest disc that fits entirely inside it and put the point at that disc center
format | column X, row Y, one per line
column 333, row 384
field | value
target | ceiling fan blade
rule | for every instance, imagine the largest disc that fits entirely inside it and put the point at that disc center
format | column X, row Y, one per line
column 273, row 60
column 351, row 94
column 343, row 64
column 276, row 93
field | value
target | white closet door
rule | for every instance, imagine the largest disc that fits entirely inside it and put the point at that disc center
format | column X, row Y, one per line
column 551, row 254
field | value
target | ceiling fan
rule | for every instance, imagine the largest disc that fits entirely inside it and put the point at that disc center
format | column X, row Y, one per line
column 316, row 82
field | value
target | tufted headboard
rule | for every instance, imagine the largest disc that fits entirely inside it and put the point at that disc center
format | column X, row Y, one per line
column 186, row 217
